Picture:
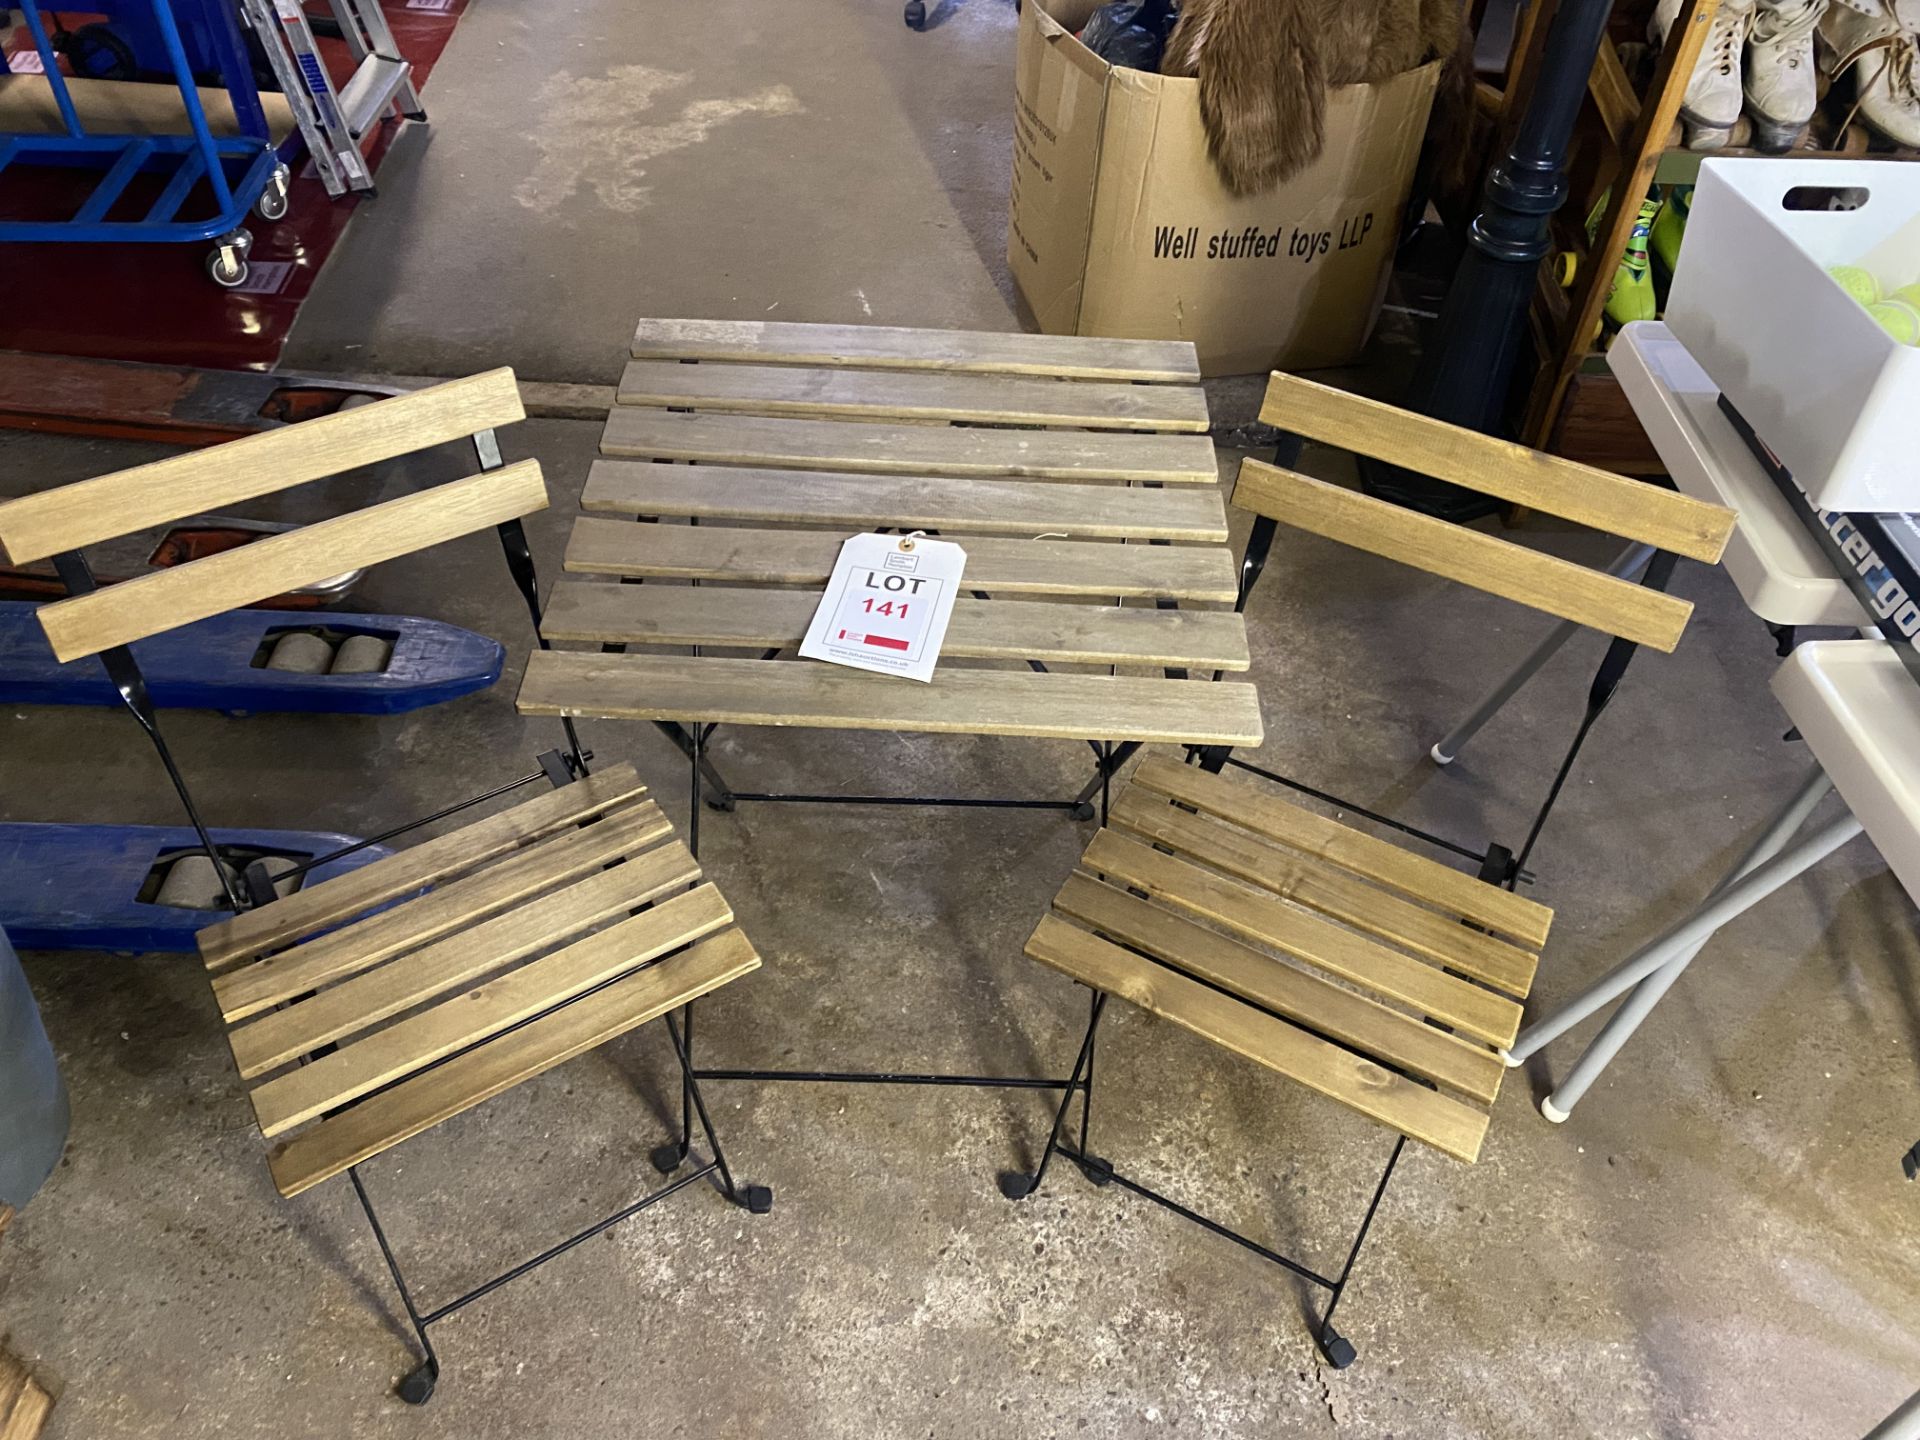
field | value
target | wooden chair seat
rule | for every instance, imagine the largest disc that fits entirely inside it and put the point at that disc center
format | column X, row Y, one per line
column 1380, row 978
column 374, row 1006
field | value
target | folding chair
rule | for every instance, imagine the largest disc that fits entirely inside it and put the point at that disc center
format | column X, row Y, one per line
column 1381, row 978
column 1660, row 525
column 371, row 1006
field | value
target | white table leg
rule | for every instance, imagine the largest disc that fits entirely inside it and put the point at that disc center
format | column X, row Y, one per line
column 1902, row 1424
column 1785, row 823
column 1680, row 943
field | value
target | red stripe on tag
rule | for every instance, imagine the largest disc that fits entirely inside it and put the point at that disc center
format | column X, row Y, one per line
column 887, row 641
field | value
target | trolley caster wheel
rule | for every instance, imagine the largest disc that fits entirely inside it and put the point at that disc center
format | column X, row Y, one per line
column 1083, row 811
column 1099, row 1172
column 227, row 268
column 916, row 15
column 668, row 1158
column 273, row 201
column 1336, row 1347
column 1016, row 1184
column 96, row 52
column 417, row 1386
column 759, row 1199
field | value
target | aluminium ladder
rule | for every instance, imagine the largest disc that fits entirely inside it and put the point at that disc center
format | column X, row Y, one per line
column 334, row 122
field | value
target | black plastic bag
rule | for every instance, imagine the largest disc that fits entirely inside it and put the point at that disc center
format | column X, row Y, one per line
column 1131, row 32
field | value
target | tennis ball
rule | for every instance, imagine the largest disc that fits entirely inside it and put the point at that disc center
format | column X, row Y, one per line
column 1898, row 319
column 1910, row 294
column 1858, row 283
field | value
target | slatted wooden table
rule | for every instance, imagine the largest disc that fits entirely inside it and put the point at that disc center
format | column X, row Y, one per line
column 1075, row 472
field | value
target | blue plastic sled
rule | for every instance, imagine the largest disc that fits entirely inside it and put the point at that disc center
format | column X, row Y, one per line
column 218, row 664
column 77, row 887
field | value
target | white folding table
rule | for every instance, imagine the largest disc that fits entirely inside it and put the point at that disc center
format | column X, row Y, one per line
column 1859, row 712
column 1852, row 700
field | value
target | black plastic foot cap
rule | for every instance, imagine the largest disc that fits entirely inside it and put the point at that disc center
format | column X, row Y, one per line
column 668, row 1158
column 725, row 804
column 1016, row 1184
column 916, row 15
column 760, row 1199
column 1099, row 1172
column 417, row 1387
column 1083, row 811
column 1337, row 1348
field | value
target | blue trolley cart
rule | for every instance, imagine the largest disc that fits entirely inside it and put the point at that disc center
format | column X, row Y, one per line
column 211, row 181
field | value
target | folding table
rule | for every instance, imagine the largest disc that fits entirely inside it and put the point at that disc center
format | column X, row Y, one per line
column 1859, row 712
column 1787, row 582
column 1026, row 448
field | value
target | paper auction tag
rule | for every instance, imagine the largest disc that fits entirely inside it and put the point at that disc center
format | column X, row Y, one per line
column 887, row 604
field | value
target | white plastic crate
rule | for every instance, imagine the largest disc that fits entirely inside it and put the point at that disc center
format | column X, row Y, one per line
column 1834, row 395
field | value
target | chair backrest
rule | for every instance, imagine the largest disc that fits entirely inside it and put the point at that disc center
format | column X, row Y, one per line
column 63, row 521
column 1631, row 509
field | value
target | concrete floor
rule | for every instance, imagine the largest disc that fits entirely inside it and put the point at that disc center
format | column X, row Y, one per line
column 1719, row 1244
column 591, row 162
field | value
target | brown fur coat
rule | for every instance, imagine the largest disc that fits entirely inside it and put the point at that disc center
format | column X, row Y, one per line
column 1265, row 66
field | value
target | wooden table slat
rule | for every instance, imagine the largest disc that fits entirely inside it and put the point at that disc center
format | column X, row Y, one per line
column 856, row 394
column 901, row 347
column 734, row 618
column 996, row 564
column 637, row 433
column 1003, row 507
column 813, row 694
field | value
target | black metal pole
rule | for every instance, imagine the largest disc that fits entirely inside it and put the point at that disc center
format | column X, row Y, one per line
column 1465, row 373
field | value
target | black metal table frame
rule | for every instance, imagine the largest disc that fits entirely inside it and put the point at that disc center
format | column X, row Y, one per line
column 691, row 737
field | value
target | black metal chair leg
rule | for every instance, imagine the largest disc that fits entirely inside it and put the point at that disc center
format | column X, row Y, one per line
column 127, row 678
column 417, row 1385
column 756, row 1198
column 1606, row 681
column 671, row 1156
column 1017, row 1184
column 1335, row 1346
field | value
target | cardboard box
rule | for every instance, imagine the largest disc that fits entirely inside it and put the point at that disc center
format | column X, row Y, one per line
column 1120, row 225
